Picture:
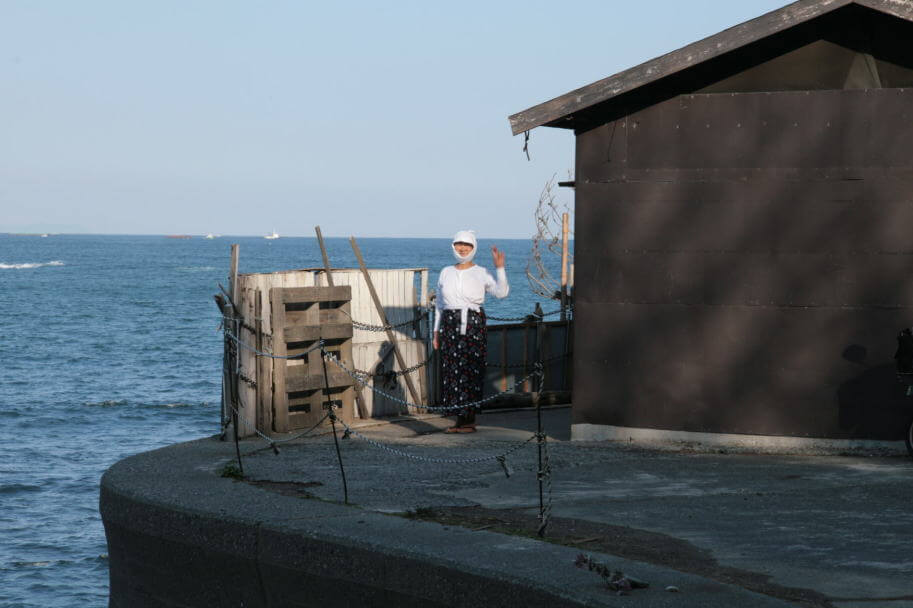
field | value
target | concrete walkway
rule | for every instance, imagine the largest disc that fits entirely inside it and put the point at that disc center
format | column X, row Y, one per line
column 840, row 528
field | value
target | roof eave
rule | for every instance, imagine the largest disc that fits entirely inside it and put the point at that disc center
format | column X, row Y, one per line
column 558, row 111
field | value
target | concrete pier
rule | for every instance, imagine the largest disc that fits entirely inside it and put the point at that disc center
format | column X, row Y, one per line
column 717, row 529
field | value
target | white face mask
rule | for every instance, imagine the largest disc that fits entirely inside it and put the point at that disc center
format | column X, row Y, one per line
column 464, row 236
column 462, row 259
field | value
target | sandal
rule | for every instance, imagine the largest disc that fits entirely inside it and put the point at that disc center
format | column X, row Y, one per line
column 469, row 428
column 454, row 429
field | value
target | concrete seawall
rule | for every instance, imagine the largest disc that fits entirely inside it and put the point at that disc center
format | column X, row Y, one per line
column 180, row 535
column 723, row 529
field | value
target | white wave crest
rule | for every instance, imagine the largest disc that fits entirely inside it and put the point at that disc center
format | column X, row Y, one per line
column 29, row 265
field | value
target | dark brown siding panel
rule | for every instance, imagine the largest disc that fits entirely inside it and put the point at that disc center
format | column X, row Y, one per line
column 803, row 129
column 601, row 152
column 756, row 213
column 816, row 372
column 733, row 279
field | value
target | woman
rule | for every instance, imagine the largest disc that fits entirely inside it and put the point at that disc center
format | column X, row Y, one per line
column 459, row 326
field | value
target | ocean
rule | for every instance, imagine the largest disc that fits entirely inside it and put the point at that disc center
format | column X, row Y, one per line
column 111, row 346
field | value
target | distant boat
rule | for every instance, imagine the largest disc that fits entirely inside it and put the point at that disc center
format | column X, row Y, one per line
column 44, row 236
column 272, row 236
column 209, row 236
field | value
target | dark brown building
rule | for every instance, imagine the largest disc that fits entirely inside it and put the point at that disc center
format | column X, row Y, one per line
column 744, row 228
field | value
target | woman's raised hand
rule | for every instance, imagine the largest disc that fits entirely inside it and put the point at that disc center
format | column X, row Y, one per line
column 498, row 257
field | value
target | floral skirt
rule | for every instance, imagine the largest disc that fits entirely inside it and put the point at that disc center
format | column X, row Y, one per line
column 463, row 360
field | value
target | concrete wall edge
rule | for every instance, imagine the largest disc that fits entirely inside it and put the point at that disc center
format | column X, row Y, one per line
column 769, row 444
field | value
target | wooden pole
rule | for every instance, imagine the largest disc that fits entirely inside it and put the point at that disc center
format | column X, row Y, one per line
column 233, row 286
column 235, row 289
column 326, row 258
column 564, row 256
column 383, row 319
column 228, row 317
column 359, row 398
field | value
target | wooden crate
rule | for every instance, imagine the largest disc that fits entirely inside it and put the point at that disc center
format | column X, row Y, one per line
column 400, row 296
column 302, row 316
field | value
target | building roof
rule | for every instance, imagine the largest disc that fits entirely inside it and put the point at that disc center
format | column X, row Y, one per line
column 565, row 111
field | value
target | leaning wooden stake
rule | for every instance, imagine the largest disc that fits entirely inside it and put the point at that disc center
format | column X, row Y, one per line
column 565, row 286
column 359, row 398
column 383, row 319
column 564, row 256
column 235, row 290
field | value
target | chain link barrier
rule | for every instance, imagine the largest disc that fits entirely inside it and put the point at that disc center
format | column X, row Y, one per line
column 273, row 442
column 528, row 364
column 261, row 353
column 501, row 458
column 531, row 316
column 393, row 373
column 381, row 328
column 431, row 408
column 543, row 473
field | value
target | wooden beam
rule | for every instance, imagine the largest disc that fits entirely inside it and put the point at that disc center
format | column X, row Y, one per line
column 391, row 336
column 326, row 258
column 233, row 365
column 316, row 294
column 308, row 333
column 233, row 287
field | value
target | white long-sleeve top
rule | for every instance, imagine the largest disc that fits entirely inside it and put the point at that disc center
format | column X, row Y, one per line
column 464, row 290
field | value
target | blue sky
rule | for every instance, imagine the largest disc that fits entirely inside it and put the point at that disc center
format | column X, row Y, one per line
column 372, row 119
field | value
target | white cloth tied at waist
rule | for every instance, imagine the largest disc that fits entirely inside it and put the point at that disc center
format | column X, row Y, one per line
column 465, row 290
column 464, row 316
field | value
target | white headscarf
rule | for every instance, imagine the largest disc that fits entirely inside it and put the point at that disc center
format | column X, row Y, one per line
column 464, row 236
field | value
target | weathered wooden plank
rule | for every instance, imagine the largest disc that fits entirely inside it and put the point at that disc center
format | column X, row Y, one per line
column 299, row 378
column 306, row 333
column 326, row 258
column 280, row 392
column 424, row 282
column 264, row 368
column 247, row 393
column 316, row 294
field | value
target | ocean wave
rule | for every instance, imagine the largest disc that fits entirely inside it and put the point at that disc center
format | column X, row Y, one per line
column 170, row 405
column 4, row 266
column 196, row 268
column 106, row 403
